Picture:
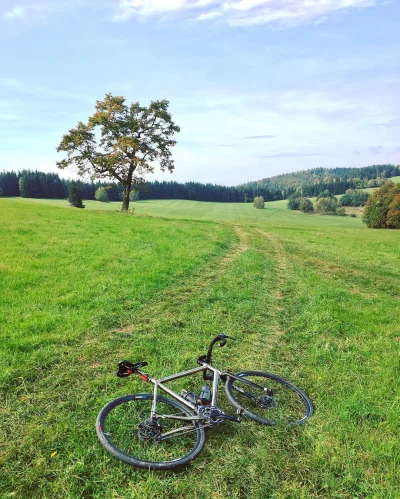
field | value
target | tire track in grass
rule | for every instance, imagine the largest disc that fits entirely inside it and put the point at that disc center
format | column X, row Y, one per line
column 173, row 298
column 277, row 294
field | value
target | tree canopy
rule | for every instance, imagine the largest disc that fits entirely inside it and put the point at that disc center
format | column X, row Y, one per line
column 383, row 207
column 306, row 205
column 122, row 142
column 354, row 197
column 74, row 195
column 101, row 195
column 326, row 206
column 258, row 202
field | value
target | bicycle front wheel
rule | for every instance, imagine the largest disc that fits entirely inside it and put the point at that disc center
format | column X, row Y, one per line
column 125, row 430
column 268, row 399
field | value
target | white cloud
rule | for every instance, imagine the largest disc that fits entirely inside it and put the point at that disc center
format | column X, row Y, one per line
column 241, row 12
column 208, row 15
column 16, row 12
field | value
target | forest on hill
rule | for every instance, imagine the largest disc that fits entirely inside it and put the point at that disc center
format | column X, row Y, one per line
column 35, row 184
column 335, row 180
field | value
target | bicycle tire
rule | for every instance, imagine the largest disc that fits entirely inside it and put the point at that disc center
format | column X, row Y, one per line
column 280, row 382
column 106, row 439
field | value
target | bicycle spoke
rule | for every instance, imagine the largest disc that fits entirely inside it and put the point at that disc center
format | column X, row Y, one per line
column 123, row 430
column 273, row 401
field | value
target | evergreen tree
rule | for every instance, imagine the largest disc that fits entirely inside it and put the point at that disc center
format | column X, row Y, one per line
column 74, row 195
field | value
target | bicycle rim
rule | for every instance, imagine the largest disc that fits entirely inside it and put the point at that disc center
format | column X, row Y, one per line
column 118, row 429
column 278, row 402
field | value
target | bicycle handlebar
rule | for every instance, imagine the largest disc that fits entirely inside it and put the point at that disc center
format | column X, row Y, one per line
column 222, row 339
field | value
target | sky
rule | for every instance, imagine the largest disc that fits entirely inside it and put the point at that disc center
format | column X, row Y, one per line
column 258, row 87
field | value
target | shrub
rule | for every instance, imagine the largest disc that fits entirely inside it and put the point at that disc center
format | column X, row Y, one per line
column 354, row 197
column 325, row 194
column 306, row 205
column 326, row 206
column 294, row 201
column 74, row 195
column 341, row 212
column 101, row 195
column 258, row 202
column 383, row 207
column 353, row 215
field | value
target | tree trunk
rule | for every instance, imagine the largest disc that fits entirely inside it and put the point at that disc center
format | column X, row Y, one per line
column 125, row 198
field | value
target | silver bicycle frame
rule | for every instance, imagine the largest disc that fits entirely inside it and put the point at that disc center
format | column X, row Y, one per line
column 159, row 384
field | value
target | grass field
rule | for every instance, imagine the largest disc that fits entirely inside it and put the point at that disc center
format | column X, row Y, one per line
column 315, row 299
column 274, row 212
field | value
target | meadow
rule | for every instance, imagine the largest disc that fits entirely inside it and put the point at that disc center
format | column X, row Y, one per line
column 313, row 298
column 275, row 211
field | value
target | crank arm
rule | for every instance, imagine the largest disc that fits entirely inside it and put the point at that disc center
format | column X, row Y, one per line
column 236, row 419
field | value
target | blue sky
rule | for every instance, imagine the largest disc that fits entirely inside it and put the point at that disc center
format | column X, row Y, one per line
column 259, row 87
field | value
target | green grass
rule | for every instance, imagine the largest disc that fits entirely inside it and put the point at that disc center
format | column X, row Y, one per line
column 274, row 212
column 315, row 299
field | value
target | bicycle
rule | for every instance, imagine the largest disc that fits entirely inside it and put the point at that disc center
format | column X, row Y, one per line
column 154, row 432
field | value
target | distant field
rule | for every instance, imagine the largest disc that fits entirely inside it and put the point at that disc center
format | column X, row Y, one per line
column 393, row 179
column 274, row 212
column 315, row 299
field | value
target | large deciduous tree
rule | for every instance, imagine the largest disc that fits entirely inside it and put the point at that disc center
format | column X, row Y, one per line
column 382, row 210
column 121, row 142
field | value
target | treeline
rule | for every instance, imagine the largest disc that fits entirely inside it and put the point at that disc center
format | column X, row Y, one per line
column 196, row 191
column 35, row 184
column 309, row 183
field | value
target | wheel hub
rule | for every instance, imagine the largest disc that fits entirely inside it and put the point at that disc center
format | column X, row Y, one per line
column 267, row 402
column 150, row 431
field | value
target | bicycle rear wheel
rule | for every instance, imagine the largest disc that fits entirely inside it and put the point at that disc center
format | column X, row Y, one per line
column 124, row 429
column 273, row 401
